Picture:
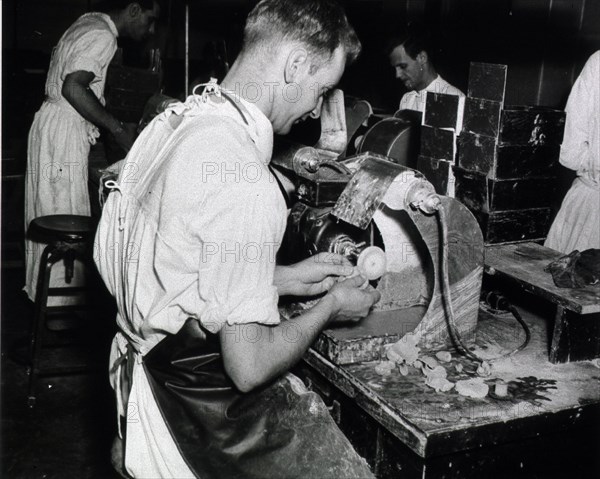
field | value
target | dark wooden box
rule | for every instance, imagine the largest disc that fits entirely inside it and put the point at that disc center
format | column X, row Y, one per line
column 485, row 155
column 514, row 226
column 438, row 143
column 135, row 78
column 484, row 194
column 438, row 173
column 487, row 81
column 532, row 125
column 482, row 117
column 515, row 125
column 128, row 89
column 442, row 110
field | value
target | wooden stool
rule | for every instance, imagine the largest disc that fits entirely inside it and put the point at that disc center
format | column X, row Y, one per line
column 67, row 237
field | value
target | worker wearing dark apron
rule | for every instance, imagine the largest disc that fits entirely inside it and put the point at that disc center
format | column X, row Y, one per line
column 187, row 245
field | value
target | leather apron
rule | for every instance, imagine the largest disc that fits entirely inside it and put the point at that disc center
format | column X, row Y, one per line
column 278, row 431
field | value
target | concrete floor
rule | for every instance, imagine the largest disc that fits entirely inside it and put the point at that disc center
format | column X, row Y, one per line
column 68, row 433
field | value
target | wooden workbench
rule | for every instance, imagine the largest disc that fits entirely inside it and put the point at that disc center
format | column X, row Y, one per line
column 576, row 333
column 404, row 428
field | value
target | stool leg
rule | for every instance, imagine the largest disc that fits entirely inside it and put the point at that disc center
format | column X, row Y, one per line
column 49, row 257
column 69, row 265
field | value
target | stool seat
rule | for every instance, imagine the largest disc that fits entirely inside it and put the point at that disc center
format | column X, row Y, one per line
column 63, row 227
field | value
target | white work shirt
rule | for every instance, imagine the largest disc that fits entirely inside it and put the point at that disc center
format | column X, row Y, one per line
column 191, row 233
column 415, row 100
column 203, row 218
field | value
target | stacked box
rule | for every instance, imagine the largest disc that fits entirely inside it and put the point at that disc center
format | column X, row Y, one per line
column 506, row 171
column 128, row 90
column 442, row 119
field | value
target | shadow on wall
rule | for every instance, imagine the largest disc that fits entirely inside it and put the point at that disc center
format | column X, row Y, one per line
column 23, row 80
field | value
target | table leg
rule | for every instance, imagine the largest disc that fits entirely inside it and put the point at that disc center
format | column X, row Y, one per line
column 576, row 336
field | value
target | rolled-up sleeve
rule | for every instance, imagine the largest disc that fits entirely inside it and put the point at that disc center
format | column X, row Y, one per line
column 91, row 51
column 237, row 259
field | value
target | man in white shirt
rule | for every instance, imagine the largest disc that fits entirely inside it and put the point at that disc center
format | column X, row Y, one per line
column 411, row 57
column 67, row 123
column 187, row 246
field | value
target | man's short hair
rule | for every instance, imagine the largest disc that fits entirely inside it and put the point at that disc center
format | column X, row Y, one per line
column 321, row 25
column 415, row 38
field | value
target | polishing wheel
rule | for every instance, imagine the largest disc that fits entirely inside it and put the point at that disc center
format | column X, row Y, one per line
column 372, row 263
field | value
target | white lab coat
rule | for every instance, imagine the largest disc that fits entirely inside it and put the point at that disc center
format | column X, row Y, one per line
column 59, row 138
column 577, row 224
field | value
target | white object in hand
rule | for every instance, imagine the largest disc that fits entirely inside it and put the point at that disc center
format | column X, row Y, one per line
column 372, row 263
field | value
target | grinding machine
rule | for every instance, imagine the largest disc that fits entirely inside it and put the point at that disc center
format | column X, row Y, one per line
column 356, row 193
column 422, row 251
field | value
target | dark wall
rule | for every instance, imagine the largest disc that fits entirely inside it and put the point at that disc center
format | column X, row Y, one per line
column 37, row 24
column 543, row 42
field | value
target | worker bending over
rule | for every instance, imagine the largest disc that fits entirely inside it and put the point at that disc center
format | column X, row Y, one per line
column 187, row 247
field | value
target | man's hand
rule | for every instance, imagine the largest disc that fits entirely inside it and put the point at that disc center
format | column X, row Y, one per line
column 313, row 276
column 251, row 364
column 351, row 299
column 125, row 136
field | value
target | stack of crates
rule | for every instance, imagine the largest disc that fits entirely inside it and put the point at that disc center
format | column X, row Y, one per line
column 442, row 119
column 507, row 171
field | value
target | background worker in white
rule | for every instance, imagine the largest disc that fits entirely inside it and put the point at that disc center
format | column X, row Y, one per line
column 195, row 275
column 68, row 120
column 411, row 56
column 577, row 224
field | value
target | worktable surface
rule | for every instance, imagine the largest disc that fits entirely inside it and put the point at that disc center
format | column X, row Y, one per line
column 525, row 263
column 542, row 397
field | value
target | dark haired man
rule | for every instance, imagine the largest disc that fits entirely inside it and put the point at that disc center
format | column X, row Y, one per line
column 68, row 120
column 187, row 246
column 411, row 56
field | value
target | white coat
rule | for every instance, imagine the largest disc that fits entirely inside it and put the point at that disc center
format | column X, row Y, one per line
column 59, row 138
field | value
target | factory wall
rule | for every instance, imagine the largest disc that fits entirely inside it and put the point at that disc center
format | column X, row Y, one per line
column 543, row 42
